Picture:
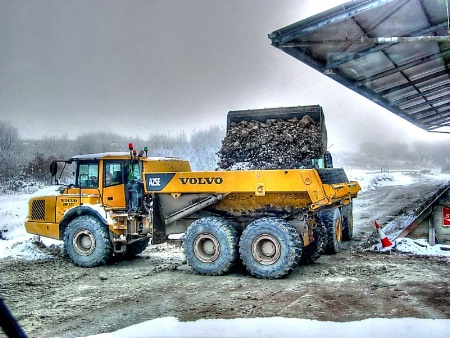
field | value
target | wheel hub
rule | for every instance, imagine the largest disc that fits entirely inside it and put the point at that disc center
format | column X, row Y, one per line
column 84, row 242
column 206, row 248
column 266, row 249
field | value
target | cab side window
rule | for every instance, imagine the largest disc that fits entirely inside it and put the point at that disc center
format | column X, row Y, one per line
column 113, row 173
column 87, row 176
column 134, row 173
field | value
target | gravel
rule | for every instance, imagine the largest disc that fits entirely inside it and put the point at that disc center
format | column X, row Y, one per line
column 273, row 144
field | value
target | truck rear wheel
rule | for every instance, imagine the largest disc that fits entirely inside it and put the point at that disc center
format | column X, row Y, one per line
column 270, row 248
column 87, row 243
column 331, row 229
column 347, row 222
column 310, row 253
column 210, row 246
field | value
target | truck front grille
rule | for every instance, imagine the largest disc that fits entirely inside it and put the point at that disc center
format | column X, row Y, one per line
column 38, row 209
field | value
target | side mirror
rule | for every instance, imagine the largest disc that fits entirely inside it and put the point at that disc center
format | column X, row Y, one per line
column 53, row 168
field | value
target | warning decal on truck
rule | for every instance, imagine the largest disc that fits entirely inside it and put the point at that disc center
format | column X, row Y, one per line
column 157, row 182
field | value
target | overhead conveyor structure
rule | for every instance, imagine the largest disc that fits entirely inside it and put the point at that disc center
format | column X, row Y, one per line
column 394, row 52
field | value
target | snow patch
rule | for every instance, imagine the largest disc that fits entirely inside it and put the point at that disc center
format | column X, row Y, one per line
column 32, row 249
column 284, row 327
column 176, row 236
column 370, row 180
column 54, row 190
column 419, row 247
column 15, row 242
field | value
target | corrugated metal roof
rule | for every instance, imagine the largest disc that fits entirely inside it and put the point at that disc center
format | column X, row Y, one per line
column 409, row 76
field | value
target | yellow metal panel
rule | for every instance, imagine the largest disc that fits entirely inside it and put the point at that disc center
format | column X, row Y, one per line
column 244, row 203
column 67, row 202
column 42, row 208
column 165, row 165
column 114, row 196
column 261, row 188
column 50, row 230
column 226, row 181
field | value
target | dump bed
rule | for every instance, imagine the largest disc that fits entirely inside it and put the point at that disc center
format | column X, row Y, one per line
column 248, row 192
column 294, row 133
column 283, row 113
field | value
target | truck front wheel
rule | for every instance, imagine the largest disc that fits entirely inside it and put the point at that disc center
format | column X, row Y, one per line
column 210, row 246
column 270, row 248
column 87, row 243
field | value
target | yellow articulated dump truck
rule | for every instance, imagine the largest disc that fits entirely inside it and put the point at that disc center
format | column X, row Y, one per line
column 271, row 219
column 119, row 201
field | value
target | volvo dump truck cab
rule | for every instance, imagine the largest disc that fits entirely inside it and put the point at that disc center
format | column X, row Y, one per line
column 117, row 202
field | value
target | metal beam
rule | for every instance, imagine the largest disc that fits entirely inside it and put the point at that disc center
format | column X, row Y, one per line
column 439, row 122
column 436, row 117
column 439, row 100
column 442, row 123
column 413, row 83
column 371, row 95
column 404, row 67
column 332, row 16
column 399, row 101
column 426, row 116
column 363, row 40
column 431, row 114
column 345, row 58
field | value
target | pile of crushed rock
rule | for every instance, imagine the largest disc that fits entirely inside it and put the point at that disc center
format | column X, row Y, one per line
column 273, row 144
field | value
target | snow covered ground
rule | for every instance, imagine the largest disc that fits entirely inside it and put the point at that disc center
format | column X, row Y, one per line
column 16, row 243
column 285, row 327
column 14, row 240
column 373, row 179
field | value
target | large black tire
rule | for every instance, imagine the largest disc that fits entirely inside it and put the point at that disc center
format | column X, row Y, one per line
column 270, row 248
column 311, row 253
column 347, row 222
column 330, row 227
column 136, row 248
column 210, row 245
column 332, row 175
column 87, row 242
column 322, row 236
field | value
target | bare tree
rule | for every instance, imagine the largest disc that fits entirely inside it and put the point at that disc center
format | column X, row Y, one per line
column 205, row 144
column 10, row 150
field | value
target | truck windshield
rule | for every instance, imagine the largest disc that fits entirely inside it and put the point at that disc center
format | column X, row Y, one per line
column 87, row 175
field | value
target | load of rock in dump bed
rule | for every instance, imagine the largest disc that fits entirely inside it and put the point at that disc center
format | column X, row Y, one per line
column 275, row 144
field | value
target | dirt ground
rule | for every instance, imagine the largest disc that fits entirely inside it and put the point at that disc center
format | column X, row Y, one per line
column 53, row 298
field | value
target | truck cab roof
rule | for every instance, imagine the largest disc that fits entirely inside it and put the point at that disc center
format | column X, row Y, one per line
column 119, row 155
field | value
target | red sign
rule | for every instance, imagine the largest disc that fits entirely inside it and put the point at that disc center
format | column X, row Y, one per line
column 446, row 216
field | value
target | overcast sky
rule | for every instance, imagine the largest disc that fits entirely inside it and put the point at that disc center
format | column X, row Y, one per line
column 141, row 67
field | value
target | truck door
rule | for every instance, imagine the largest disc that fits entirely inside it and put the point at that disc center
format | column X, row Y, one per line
column 114, row 184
